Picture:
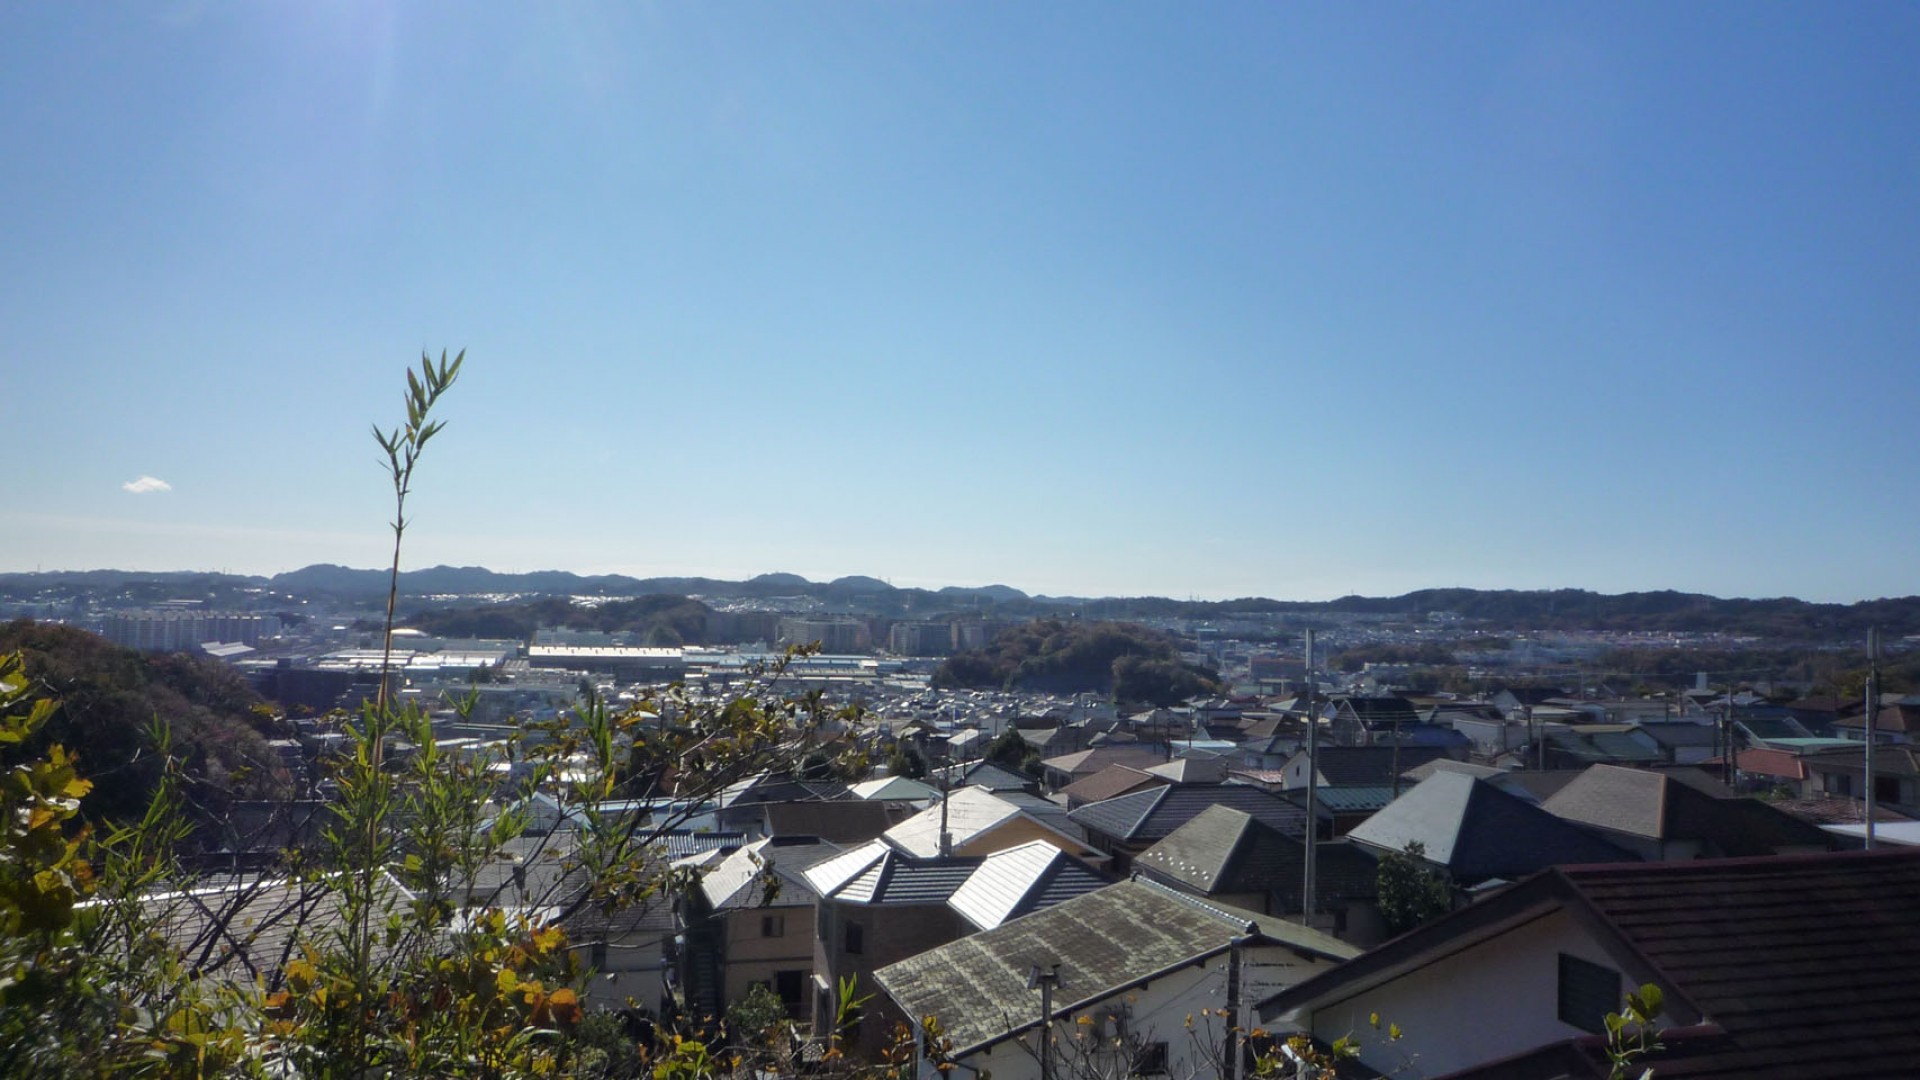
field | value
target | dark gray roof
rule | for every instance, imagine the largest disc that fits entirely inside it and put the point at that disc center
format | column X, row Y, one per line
column 1146, row 816
column 846, row 821
column 1226, row 851
column 1361, row 766
column 1478, row 831
column 1103, row 941
column 1662, row 806
column 1346, row 800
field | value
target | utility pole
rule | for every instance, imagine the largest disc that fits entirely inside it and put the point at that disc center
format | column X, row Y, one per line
column 1230, row 1060
column 1046, row 980
column 1873, row 715
column 1308, row 905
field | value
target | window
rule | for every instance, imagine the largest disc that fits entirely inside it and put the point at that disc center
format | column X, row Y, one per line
column 856, row 939
column 773, row 926
column 1886, row 789
column 1150, row 1059
column 1588, row 992
column 790, row 986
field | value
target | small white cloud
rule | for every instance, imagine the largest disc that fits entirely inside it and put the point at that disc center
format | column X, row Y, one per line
column 146, row 484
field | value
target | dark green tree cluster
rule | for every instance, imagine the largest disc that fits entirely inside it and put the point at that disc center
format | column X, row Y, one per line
column 112, row 696
column 659, row 620
column 1409, row 890
column 1060, row 656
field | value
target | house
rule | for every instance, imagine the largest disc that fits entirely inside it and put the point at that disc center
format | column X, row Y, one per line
column 1679, row 814
column 1128, row 825
column 878, row 904
column 1358, row 766
column 1370, row 721
column 750, row 921
column 1124, row 968
column 1679, row 743
column 1230, row 857
column 901, row 789
column 1110, row 782
column 1896, row 775
column 1477, row 832
column 977, row 822
column 739, row 802
column 1060, row 772
column 844, row 821
column 985, row 775
column 1772, row 968
column 1897, row 721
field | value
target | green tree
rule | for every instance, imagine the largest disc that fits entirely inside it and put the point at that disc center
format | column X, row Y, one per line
column 1409, row 891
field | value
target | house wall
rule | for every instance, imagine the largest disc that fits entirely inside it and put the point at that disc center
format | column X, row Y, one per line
column 633, row 967
column 1496, row 999
column 1013, row 832
column 754, row 957
column 889, row 933
column 1156, row 1012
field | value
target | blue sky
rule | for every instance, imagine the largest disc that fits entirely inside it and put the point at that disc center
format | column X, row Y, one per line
column 1292, row 300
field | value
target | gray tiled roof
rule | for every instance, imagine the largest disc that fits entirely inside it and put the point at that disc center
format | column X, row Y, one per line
column 1146, row 816
column 1478, row 831
column 1102, row 941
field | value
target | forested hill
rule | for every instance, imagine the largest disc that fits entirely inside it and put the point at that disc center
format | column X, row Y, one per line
column 1129, row 662
column 110, row 697
column 1541, row 609
column 659, row 619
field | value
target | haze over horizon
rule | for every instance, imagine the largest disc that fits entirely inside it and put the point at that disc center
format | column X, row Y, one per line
column 1290, row 301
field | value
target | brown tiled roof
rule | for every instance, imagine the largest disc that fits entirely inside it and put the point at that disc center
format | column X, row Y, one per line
column 1811, row 964
column 1764, row 761
column 1107, row 783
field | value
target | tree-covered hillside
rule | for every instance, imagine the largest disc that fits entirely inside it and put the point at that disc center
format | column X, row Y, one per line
column 110, row 698
column 1127, row 661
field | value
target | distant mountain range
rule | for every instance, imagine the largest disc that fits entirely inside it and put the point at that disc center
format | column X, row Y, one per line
column 1662, row 611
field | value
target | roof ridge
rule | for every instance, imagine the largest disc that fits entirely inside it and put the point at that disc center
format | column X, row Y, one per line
column 1221, row 913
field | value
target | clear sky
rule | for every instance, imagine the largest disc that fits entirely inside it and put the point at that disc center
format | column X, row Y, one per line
column 1283, row 299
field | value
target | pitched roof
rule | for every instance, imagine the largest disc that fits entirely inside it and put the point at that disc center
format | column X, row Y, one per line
column 970, row 813
column 1088, row 762
column 739, row 880
column 985, row 774
column 1109, row 782
column 845, row 821
column 1192, row 770
column 1222, row 848
column 1103, row 942
column 1011, row 883
column 877, row 873
column 239, row 930
column 903, row 788
column 1477, row 831
column 1146, row 816
column 1662, row 806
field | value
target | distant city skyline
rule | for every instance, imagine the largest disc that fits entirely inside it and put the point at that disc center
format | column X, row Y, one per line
column 1293, row 301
